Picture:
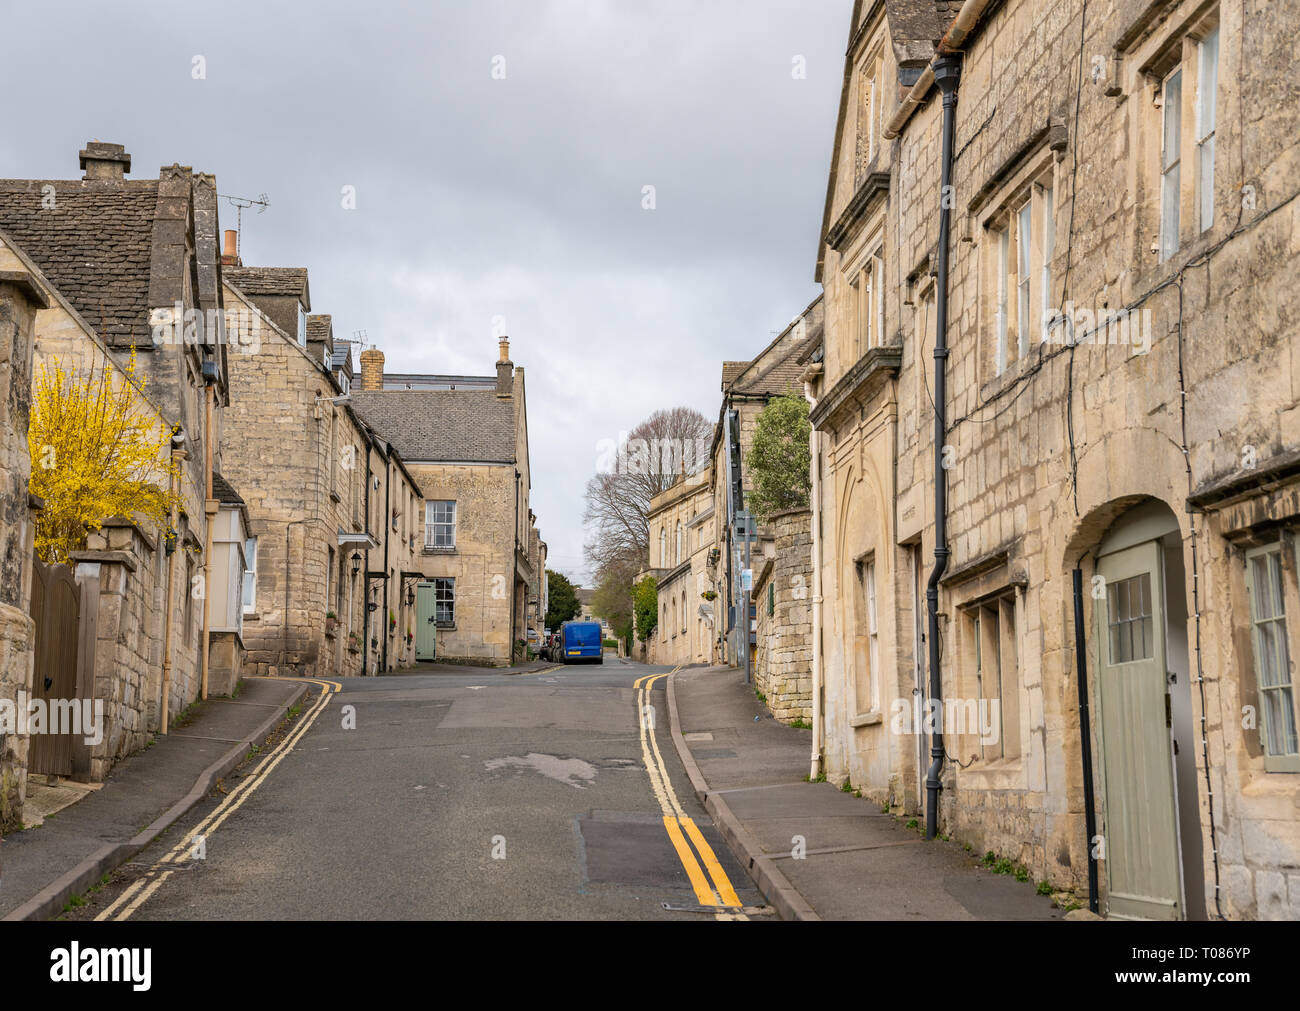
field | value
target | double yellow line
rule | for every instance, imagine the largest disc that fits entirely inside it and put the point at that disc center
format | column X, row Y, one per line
column 126, row 904
column 720, row 892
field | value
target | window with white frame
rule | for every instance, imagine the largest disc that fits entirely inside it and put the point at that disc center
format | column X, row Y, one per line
column 302, row 326
column 1022, row 239
column 677, row 558
column 440, row 525
column 868, row 640
column 1177, row 122
column 1207, row 86
column 1267, row 591
column 444, row 601
column 1171, row 131
column 250, row 575
column 866, row 306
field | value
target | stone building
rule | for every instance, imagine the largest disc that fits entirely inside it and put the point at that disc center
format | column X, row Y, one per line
column 20, row 300
column 132, row 268
column 1119, row 435
column 681, row 540
column 465, row 440
column 747, row 387
column 333, row 511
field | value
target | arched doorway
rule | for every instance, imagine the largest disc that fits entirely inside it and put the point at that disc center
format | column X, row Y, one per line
column 1151, row 821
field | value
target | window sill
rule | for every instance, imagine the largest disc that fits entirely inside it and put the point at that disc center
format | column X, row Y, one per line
column 444, row 627
column 870, row 719
column 439, row 551
column 252, row 616
column 1282, row 764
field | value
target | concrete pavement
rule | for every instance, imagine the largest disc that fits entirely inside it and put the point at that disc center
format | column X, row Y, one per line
column 858, row 863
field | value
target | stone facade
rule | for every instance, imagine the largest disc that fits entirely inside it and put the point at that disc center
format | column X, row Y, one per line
column 20, row 300
column 681, row 539
column 783, row 647
column 465, row 441
column 747, row 386
column 140, row 258
column 316, row 482
column 1149, row 434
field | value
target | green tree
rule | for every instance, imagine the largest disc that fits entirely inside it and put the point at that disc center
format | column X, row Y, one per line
column 779, row 458
column 645, row 603
column 562, row 602
column 612, row 600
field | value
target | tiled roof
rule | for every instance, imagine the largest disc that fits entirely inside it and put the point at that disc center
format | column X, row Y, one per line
column 730, row 370
column 94, row 244
column 319, row 327
column 269, row 281
column 469, row 425
column 223, row 492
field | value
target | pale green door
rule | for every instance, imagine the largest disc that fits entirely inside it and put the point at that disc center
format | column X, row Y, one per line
column 1140, row 820
column 426, row 622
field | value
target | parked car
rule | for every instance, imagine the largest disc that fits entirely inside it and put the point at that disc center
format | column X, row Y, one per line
column 550, row 650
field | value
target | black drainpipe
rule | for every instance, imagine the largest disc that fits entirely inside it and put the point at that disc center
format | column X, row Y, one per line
column 1085, row 735
column 947, row 71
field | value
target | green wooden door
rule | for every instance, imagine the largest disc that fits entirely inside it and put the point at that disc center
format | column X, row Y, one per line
column 426, row 622
column 1140, row 827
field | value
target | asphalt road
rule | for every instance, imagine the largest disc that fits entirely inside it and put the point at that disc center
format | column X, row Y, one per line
column 469, row 794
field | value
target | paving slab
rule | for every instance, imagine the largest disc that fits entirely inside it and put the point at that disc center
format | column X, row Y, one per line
column 817, row 852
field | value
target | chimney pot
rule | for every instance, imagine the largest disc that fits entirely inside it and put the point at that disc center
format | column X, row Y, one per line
column 230, row 255
column 105, row 161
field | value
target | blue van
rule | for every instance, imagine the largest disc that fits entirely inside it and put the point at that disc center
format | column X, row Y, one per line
column 581, row 641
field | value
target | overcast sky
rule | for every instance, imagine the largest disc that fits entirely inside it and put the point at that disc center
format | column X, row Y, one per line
column 479, row 197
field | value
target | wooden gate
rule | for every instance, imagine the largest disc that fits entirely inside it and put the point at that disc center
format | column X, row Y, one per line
column 56, row 610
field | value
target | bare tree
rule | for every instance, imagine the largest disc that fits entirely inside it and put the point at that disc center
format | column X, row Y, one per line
column 660, row 451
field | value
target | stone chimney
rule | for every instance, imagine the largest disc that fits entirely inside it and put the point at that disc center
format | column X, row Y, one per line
column 230, row 254
column 372, row 369
column 505, row 371
column 105, row 161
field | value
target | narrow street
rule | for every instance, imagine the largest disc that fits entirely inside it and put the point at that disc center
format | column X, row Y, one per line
column 468, row 794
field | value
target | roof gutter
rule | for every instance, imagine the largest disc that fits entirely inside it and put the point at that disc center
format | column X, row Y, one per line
column 953, row 39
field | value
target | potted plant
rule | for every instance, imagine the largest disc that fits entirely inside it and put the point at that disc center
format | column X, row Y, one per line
column 331, row 622
column 392, row 620
column 709, row 595
column 354, row 642
column 410, row 637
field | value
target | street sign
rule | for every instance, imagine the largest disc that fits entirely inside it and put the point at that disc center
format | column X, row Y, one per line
column 746, row 579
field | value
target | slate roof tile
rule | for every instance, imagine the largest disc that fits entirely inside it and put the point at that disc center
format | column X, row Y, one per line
column 94, row 244
column 458, row 425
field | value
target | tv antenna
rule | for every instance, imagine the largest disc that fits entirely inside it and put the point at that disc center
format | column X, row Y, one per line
column 261, row 203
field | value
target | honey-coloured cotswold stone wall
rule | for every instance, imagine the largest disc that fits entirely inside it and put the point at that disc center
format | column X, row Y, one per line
column 783, row 652
column 18, row 304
